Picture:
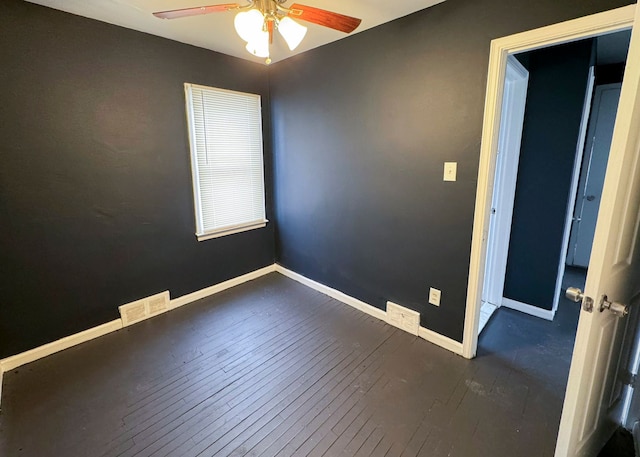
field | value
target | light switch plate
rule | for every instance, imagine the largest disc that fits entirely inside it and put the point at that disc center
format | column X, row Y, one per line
column 434, row 296
column 450, row 171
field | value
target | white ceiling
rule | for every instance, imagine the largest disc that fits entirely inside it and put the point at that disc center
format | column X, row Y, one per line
column 216, row 32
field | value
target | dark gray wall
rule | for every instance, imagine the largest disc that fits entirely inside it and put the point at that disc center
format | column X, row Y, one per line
column 609, row 74
column 361, row 130
column 555, row 99
column 96, row 206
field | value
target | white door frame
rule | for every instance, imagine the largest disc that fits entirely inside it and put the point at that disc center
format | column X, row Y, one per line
column 577, row 29
column 504, row 189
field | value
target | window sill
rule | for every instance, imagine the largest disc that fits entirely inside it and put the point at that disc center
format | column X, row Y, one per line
column 231, row 230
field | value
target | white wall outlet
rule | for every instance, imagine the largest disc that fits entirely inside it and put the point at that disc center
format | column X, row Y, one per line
column 450, row 171
column 434, row 296
column 403, row 318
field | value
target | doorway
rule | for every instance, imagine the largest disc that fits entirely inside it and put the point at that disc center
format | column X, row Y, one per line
column 593, row 370
column 528, row 336
column 539, row 219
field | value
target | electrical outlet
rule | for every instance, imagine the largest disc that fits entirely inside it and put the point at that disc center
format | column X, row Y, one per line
column 434, row 296
column 450, row 171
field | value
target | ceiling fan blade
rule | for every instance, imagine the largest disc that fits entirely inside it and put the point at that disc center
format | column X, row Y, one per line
column 174, row 14
column 325, row 18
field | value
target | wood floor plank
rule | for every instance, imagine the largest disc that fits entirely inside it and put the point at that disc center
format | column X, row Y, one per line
column 271, row 339
column 383, row 448
column 266, row 339
column 371, row 443
column 221, row 400
column 294, row 429
column 209, row 439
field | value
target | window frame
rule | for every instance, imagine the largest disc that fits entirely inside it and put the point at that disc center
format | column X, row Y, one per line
column 201, row 233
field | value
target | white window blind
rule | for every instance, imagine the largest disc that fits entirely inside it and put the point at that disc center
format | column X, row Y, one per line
column 225, row 132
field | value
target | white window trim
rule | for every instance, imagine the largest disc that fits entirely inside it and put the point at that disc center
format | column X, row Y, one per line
column 231, row 230
column 201, row 234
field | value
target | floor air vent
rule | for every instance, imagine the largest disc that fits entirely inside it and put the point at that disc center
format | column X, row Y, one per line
column 144, row 308
column 403, row 318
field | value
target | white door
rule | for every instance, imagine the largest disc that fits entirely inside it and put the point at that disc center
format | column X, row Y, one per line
column 614, row 271
column 605, row 106
column 511, row 124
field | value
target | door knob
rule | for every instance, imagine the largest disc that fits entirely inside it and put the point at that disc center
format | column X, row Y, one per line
column 591, row 198
column 618, row 309
column 575, row 295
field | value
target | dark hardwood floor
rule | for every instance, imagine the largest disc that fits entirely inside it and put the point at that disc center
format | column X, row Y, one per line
column 274, row 368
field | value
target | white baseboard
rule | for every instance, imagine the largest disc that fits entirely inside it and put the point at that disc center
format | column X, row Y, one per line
column 32, row 355
column 424, row 333
column 333, row 293
column 40, row 352
column 440, row 340
column 528, row 309
column 203, row 293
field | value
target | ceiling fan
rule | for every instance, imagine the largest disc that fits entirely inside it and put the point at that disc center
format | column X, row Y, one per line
column 257, row 20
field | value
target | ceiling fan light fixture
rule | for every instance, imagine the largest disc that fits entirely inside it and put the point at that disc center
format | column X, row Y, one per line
column 259, row 45
column 249, row 24
column 292, row 32
column 257, row 20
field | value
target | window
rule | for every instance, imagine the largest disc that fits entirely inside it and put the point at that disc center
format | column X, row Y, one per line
column 225, row 133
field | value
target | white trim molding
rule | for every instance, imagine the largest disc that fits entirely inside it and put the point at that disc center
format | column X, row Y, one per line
column 585, row 27
column 45, row 350
column 333, row 293
column 231, row 231
column 440, row 340
column 429, row 335
column 40, row 352
column 547, row 314
column 32, row 355
column 203, row 293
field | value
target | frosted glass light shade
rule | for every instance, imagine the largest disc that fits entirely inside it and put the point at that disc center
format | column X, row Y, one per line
column 292, row 32
column 259, row 44
column 249, row 24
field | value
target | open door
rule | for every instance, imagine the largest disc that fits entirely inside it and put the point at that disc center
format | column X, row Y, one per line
column 613, row 282
column 504, row 189
column 596, row 154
